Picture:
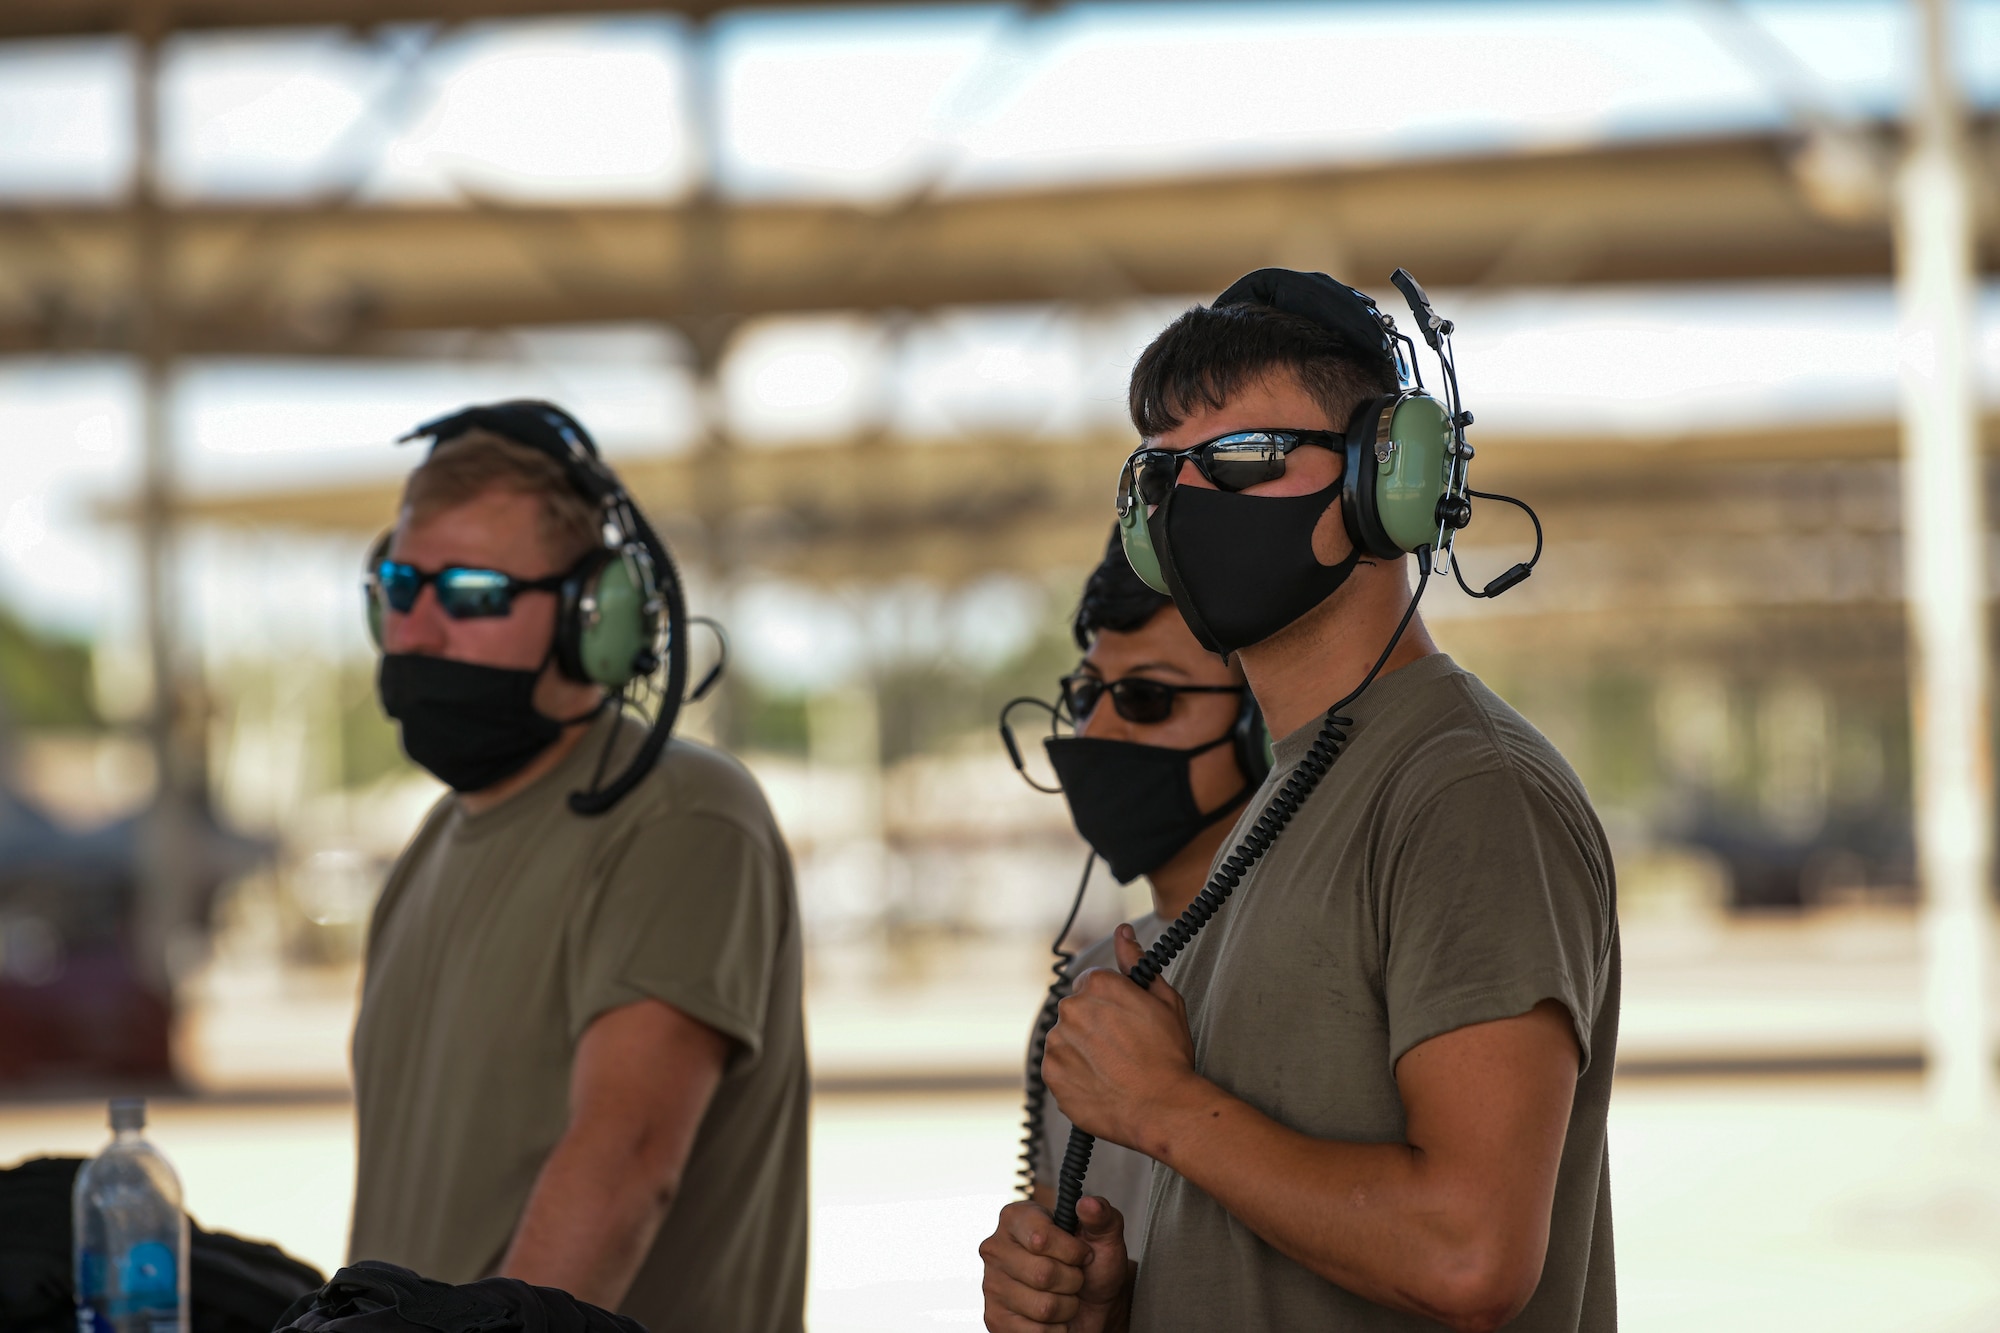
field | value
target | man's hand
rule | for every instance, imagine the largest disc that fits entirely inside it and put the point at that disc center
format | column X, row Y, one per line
column 1117, row 1054
column 1041, row 1279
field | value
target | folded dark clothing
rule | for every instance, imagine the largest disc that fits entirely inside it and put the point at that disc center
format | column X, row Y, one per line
column 234, row 1285
column 374, row 1297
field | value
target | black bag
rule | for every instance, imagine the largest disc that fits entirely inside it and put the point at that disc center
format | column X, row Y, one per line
column 374, row 1297
column 234, row 1285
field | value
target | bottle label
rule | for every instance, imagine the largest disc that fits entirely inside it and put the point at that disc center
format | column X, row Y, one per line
column 89, row 1275
column 147, row 1269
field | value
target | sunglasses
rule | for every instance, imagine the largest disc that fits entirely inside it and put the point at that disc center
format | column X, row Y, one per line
column 1233, row 462
column 1136, row 698
column 463, row 594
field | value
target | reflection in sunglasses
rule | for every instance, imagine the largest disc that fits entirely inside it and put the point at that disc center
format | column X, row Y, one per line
column 463, row 593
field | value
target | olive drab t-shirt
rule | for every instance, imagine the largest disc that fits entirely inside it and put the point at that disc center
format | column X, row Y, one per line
column 1447, row 871
column 499, row 937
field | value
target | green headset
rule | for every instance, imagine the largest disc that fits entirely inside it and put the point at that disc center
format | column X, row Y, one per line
column 1403, row 484
column 621, row 615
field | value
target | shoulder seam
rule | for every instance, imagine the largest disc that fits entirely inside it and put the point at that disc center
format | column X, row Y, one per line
column 1500, row 751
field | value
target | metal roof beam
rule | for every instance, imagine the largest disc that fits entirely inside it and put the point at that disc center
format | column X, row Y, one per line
column 306, row 278
column 20, row 19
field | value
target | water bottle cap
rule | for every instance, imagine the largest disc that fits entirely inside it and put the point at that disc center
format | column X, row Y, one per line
column 128, row 1113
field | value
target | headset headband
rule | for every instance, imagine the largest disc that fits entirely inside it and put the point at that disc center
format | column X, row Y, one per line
column 533, row 424
column 1349, row 315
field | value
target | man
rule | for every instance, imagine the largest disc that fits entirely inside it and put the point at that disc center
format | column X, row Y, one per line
column 1378, row 1080
column 580, row 1057
column 1168, row 745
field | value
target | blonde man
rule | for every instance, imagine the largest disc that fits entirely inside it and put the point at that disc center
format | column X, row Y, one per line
column 580, row 1059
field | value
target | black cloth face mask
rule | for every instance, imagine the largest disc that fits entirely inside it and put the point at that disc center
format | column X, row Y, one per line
column 1241, row 567
column 1134, row 804
column 470, row 725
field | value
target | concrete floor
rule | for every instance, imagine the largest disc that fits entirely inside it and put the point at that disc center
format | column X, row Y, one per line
column 1838, row 985
column 1828, row 1205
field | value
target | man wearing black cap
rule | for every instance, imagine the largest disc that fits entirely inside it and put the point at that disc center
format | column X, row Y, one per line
column 580, row 1058
column 1376, row 1082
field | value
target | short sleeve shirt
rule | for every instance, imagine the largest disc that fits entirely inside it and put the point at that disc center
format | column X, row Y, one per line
column 499, row 938
column 1447, row 871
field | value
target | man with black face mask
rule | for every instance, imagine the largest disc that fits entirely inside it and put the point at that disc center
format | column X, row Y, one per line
column 1375, row 1083
column 580, row 1057
column 1153, row 777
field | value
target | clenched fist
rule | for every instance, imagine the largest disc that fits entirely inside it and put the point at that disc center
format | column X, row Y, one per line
column 1119, row 1056
column 1041, row 1279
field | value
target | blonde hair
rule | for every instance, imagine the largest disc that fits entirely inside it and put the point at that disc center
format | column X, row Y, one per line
column 467, row 466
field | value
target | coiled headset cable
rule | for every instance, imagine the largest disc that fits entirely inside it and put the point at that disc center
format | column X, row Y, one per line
column 1277, row 813
column 1033, row 1131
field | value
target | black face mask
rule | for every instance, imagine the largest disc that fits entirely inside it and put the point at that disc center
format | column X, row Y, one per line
column 1134, row 804
column 470, row 725
column 1241, row 567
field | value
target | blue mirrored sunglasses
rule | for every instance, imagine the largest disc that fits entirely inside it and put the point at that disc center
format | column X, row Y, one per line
column 463, row 594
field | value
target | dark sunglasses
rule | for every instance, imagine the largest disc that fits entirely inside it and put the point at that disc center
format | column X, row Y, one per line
column 1232, row 462
column 463, row 594
column 1136, row 698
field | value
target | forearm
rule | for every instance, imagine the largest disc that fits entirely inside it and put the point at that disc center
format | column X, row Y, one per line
column 589, row 1222
column 1380, row 1219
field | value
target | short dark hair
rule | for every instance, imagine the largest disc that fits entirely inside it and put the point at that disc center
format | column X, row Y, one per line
column 1210, row 353
column 1114, row 598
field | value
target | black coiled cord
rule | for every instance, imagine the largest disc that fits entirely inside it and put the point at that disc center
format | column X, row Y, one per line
column 1032, row 1129
column 1298, row 786
column 1518, row 573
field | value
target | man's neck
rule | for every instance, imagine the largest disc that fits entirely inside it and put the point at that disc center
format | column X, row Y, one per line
column 1313, row 663
column 486, row 798
column 1176, row 883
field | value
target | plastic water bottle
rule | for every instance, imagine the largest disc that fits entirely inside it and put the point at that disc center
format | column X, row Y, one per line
column 131, row 1234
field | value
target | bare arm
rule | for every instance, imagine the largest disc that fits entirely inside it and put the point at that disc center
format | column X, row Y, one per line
column 1451, row 1224
column 642, row 1080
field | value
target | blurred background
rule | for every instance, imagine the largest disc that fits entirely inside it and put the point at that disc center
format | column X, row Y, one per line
column 849, row 296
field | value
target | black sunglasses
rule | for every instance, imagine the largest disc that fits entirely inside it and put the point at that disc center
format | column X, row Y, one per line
column 463, row 594
column 1136, row 698
column 1232, row 462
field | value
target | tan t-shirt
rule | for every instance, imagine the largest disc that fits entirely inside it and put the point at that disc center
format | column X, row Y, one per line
column 1447, row 871
column 1118, row 1174
column 499, row 937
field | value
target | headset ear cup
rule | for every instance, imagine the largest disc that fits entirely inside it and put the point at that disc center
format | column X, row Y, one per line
column 607, row 630
column 1411, row 481
column 371, row 592
column 579, row 590
column 1137, row 539
column 1358, row 491
column 1251, row 740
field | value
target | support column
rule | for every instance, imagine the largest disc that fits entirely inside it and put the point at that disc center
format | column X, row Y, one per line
column 1944, row 561
column 708, row 325
column 174, row 872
